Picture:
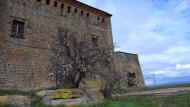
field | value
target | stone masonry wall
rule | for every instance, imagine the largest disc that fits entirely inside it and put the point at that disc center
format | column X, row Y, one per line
column 25, row 62
column 126, row 63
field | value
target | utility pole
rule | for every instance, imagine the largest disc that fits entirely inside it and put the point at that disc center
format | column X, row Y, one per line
column 154, row 79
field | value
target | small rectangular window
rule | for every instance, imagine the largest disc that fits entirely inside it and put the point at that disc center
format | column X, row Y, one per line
column 98, row 18
column 87, row 14
column 55, row 4
column 62, row 7
column 47, row 2
column 17, row 29
column 38, row 0
column 69, row 9
column 82, row 12
column 103, row 20
column 76, row 10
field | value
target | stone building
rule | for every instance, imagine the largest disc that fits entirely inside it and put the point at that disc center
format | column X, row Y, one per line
column 28, row 29
column 129, row 64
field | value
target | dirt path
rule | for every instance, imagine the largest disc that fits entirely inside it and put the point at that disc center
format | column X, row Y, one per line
column 158, row 91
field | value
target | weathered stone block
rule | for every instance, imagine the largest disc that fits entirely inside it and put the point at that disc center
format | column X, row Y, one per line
column 70, row 97
column 21, row 101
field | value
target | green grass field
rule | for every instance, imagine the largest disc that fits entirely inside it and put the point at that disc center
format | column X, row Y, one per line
column 152, row 88
column 180, row 100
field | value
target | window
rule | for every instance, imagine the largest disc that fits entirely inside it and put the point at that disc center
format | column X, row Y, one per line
column 55, row 4
column 103, row 20
column 47, row 2
column 38, row 0
column 17, row 29
column 82, row 12
column 87, row 14
column 76, row 10
column 98, row 18
column 94, row 41
column 62, row 6
column 69, row 9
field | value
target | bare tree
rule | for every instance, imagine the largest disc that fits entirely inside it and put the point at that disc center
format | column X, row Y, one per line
column 110, row 77
column 74, row 58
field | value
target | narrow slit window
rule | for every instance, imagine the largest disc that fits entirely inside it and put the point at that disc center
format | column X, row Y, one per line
column 98, row 18
column 76, row 10
column 82, row 12
column 103, row 20
column 17, row 29
column 69, row 9
column 87, row 14
column 47, row 2
column 62, row 7
column 55, row 4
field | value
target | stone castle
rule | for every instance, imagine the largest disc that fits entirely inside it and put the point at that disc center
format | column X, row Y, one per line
column 28, row 29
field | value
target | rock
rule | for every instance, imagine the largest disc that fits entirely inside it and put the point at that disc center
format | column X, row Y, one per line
column 21, row 101
column 70, row 97
column 65, row 94
column 3, row 99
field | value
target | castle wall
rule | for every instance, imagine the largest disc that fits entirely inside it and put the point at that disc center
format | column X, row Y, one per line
column 25, row 62
column 127, row 63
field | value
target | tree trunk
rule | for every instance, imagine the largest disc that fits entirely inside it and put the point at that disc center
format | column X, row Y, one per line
column 106, row 93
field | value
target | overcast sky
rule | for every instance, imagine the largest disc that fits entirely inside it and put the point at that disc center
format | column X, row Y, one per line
column 157, row 30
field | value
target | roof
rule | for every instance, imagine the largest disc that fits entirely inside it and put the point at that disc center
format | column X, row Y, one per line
column 126, row 53
column 86, row 7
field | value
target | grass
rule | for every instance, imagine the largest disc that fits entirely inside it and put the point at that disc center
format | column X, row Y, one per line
column 176, row 100
column 151, row 88
column 167, row 86
column 7, row 105
column 13, row 92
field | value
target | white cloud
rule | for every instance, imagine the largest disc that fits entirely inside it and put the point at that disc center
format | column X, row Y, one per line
column 183, row 67
column 157, row 30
